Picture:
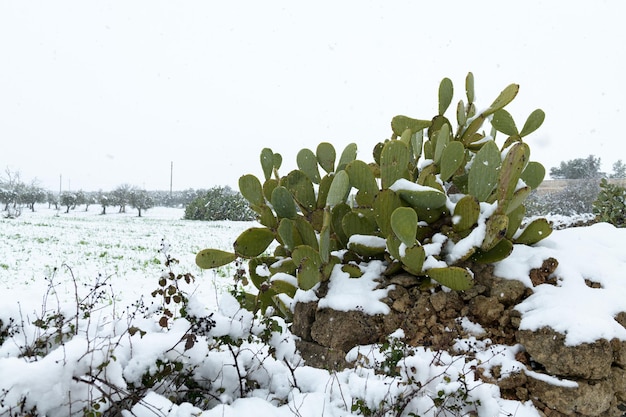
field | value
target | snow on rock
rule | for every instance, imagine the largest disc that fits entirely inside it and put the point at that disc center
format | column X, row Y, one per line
column 583, row 314
column 347, row 294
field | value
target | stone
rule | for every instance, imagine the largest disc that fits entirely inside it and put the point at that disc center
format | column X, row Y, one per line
column 619, row 352
column 322, row 357
column 486, row 310
column 439, row 300
column 344, row 330
column 543, row 274
column 512, row 381
column 508, row 291
column 587, row 360
column 303, row 318
column 618, row 381
column 405, row 280
column 588, row 399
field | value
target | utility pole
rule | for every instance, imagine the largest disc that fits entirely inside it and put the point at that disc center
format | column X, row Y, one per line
column 171, row 177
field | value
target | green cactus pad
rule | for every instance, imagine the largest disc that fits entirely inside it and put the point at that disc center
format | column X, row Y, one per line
column 253, row 242
column 469, row 87
column 266, row 216
column 468, row 134
column 250, row 188
column 483, row 175
column 537, row 230
column 286, row 266
column 288, row 234
column 394, row 161
column 510, row 172
column 301, row 188
column 324, row 243
column 499, row 252
column 355, row 223
column 213, row 258
column 466, row 212
column 326, row 156
column 253, row 265
column 393, row 245
column 303, row 252
column 339, row 189
column 446, row 92
column 400, row 123
column 515, row 220
column 309, row 264
column 420, row 196
column 534, row 122
column 417, row 142
column 267, row 162
column 506, row 96
column 461, row 116
column 442, row 139
column 322, row 191
column 385, row 203
column 337, row 214
column 307, row 163
column 533, row 174
column 348, row 155
column 518, row 198
column 496, row 227
column 367, row 248
column 413, row 259
column 404, row 225
column 503, row 122
column 353, row 270
column 307, row 233
column 453, row 277
column 278, row 161
column 452, row 158
column 268, row 188
column 283, row 203
column 281, row 286
column 362, row 178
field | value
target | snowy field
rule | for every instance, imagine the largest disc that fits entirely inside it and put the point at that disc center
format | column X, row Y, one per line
column 48, row 260
column 49, row 247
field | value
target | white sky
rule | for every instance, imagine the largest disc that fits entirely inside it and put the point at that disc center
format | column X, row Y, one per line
column 105, row 93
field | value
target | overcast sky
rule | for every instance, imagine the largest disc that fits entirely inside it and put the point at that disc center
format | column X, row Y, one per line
column 105, row 93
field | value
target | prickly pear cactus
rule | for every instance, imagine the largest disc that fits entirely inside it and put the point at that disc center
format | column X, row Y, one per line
column 436, row 198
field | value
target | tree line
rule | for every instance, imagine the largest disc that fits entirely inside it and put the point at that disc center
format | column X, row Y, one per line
column 579, row 194
column 17, row 194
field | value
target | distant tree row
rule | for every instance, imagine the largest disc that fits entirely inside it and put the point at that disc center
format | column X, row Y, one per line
column 219, row 203
column 586, row 168
column 16, row 195
column 579, row 194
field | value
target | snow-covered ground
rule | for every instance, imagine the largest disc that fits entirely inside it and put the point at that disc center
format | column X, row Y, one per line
column 48, row 260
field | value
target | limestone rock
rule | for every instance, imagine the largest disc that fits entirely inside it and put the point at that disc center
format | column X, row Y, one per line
column 619, row 352
column 587, row 360
column 322, row 357
column 588, row 399
column 486, row 309
column 507, row 291
column 303, row 318
column 618, row 381
column 345, row 329
column 542, row 275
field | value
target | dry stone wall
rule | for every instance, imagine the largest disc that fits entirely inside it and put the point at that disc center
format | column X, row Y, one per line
column 432, row 318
